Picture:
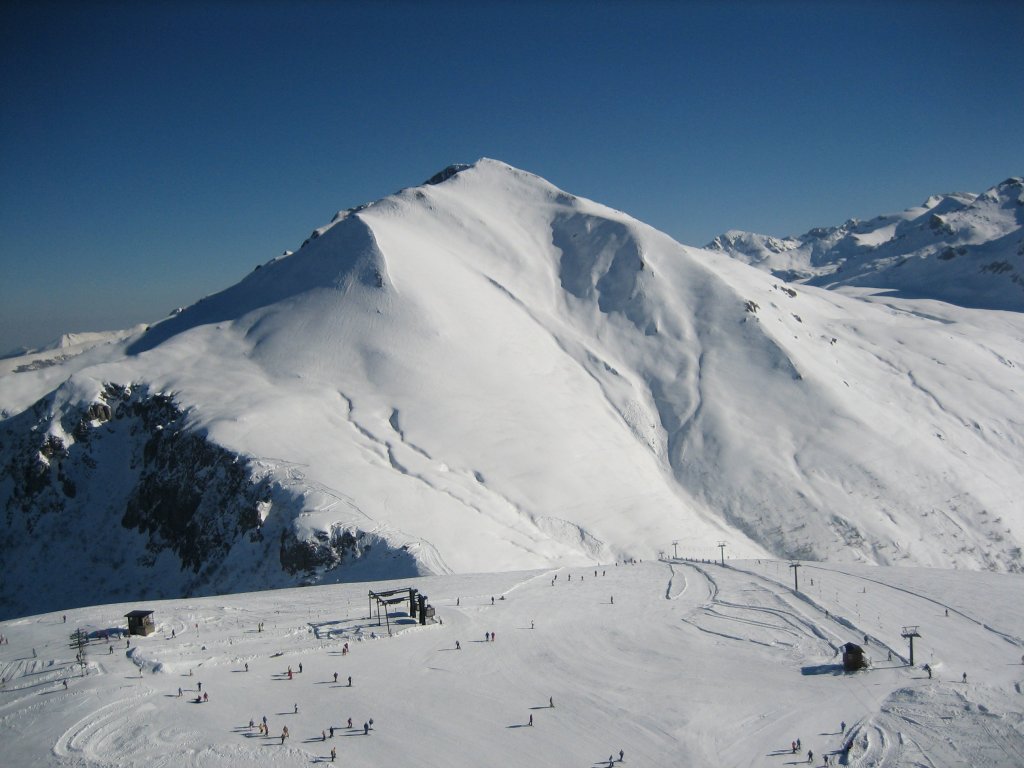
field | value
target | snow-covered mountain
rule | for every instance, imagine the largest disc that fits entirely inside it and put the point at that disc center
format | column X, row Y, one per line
column 487, row 373
column 960, row 248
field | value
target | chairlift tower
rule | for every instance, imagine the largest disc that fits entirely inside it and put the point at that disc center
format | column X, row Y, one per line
column 675, row 549
column 796, row 581
column 721, row 548
column 910, row 633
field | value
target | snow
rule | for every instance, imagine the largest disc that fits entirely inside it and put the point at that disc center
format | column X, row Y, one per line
column 491, row 374
column 673, row 662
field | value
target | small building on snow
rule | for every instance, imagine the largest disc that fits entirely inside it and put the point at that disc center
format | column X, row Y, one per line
column 140, row 623
column 854, row 658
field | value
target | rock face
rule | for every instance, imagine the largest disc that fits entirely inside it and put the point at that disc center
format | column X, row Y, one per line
column 152, row 490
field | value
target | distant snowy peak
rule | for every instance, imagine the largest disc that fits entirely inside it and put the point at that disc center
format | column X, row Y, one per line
column 961, row 248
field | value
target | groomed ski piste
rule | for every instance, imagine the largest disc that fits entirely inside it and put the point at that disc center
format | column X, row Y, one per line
column 672, row 662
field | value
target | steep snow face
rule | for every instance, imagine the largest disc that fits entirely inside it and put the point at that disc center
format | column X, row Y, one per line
column 488, row 373
column 961, row 248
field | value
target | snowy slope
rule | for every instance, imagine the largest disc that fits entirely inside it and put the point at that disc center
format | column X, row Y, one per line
column 961, row 248
column 672, row 663
column 487, row 373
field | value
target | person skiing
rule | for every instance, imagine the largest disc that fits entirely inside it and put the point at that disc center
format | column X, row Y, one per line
column 366, row 729
column 458, row 647
column 332, row 731
column 810, row 755
column 487, row 636
column 300, row 666
column 792, row 744
column 531, row 719
column 334, row 754
column 964, row 678
column 842, row 727
column 323, row 735
column 199, row 685
column 335, row 677
column 622, row 755
column 247, row 666
column 492, row 599
column 296, row 709
column 350, row 681
column 179, row 692
column 350, row 722
column 551, row 701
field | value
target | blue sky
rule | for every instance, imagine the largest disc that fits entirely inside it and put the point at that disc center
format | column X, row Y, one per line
column 153, row 153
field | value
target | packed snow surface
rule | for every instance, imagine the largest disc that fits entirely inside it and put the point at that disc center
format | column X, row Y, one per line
column 674, row 663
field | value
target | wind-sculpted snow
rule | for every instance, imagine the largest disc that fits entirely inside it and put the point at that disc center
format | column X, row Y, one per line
column 488, row 373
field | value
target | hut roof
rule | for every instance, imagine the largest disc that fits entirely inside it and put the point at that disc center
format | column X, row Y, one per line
column 137, row 614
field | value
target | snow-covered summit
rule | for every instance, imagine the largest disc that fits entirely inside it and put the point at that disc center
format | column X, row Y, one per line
column 961, row 248
column 489, row 373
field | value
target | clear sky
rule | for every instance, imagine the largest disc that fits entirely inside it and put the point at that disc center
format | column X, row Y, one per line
column 152, row 153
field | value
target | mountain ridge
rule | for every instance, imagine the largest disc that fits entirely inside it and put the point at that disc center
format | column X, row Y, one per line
column 489, row 373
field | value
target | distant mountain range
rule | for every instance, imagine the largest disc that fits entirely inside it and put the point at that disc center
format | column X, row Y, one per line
column 960, row 248
column 488, row 373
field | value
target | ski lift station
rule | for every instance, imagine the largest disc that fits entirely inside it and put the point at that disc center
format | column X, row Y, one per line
column 140, row 622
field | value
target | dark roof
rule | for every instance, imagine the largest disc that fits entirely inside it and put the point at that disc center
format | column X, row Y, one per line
column 853, row 648
column 137, row 614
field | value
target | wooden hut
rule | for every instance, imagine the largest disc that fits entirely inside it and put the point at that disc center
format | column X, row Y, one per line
column 140, row 623
column 854, row 658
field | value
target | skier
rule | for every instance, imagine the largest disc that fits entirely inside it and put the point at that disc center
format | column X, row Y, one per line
column 300, row 666
column 810, row 755
column 247, row 666
column 366, row 729
column 492, row 640
column 842, row 727
column 334, row 754
column 613, row 599
column 531, row 719
column 458, row 601
column 531, row 623
column 199, row 686
column 350, row 722
column 65, row 684
column 179, row 692
column 332, row 731
column 622, row 755
column 335, row 677
column 792, row 744
column 492, row 599
column 206, row 697
column 323, row 735
column 487, row 636
column 289, row 673
column 965, row 677
column 458, row 647
column 350, row 681
column 296, row 709
column 551, row 701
